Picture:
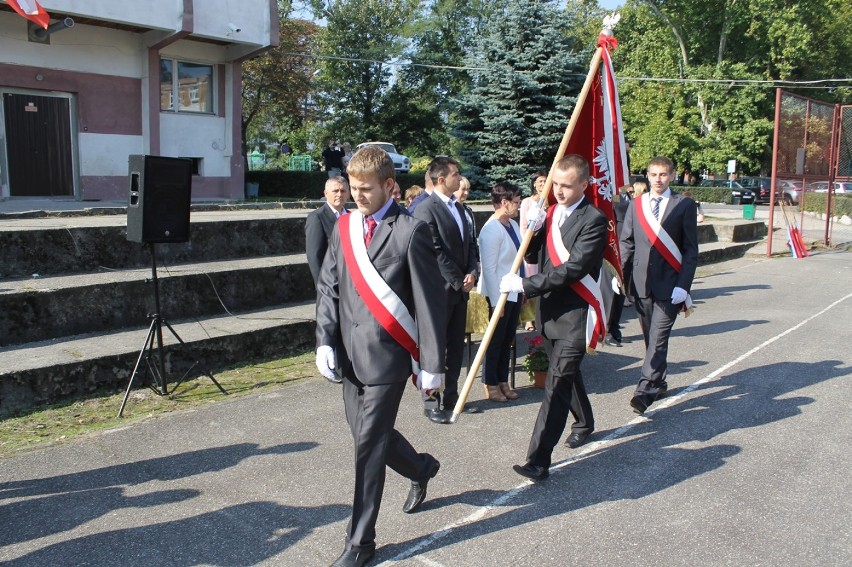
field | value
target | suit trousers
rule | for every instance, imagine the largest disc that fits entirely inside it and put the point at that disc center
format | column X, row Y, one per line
column 564, row 393
column 499, row 352
column 656, row 317
column 456, row 323
column 371, row 412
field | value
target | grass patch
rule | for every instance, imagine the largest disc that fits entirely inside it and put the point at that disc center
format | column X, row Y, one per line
column 72, row 419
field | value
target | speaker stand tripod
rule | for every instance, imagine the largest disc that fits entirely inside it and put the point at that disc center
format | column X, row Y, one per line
column 156, row 363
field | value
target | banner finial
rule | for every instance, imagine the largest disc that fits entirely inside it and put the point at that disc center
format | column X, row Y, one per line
column 609, row 22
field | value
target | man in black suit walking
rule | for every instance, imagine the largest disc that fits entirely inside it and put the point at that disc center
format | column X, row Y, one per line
column 659, row 248
column 569, row 248
column 380, row 261
column 459, row 265
column 319, row 224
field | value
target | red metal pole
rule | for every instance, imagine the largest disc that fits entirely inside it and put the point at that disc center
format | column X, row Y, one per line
column 773, row 173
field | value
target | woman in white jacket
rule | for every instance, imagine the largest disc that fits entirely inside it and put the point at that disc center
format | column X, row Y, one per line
column 499, row 241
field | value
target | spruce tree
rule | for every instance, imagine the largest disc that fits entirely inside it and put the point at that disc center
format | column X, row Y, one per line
column 513, row 118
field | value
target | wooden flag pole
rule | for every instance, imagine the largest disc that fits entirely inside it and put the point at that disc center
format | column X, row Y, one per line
column 525, row 243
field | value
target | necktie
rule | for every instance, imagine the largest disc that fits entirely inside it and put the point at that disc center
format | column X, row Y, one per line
column 371, row 228
column 655, row 207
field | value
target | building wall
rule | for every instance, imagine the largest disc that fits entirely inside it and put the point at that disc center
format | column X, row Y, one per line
column 114, row 78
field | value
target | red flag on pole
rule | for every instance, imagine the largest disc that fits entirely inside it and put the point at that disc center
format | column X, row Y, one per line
column 31, row 10
column 599, row 137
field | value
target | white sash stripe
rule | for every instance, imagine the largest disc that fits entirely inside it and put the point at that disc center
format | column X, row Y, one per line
column 659, row 231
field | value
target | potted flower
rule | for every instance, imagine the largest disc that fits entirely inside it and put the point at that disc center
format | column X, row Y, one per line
column 536, row 362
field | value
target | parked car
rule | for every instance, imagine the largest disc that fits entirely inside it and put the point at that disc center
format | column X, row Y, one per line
column 739, row 194
column 762, row 187
column 839, row 187
column 400, row 162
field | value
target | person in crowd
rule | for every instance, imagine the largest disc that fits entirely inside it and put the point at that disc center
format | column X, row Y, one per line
column 457, row 259
column 640, row 186
column 569, row 248
column 379, row 258
column 427, row 192
column 499, row 241
column 615, row 299
column 347, row 154
column 699, row 210
column 396, row 194
column 319, row 223
column 529, row 207
column 659, row 249
column 332, row 157
column 410, row 194
column 461, row 196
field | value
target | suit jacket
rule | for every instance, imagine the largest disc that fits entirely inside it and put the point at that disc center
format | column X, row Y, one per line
column 651, row 274
column 402, row 252
column 562, row 312
column 456, row 251
column 497, row 254
column 318, row 227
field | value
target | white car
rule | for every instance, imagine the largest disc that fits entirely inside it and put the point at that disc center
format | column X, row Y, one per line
column 400, row 163
column 839, row 186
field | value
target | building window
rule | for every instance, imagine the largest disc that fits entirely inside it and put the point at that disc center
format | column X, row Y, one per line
column 188, row 90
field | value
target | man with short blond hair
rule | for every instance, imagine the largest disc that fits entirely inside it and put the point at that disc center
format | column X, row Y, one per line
column 379, row 284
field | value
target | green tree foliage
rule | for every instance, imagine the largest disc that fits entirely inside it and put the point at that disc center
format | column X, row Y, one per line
column 513, row 118
column 702, row 124
column 276, row 84
column 361, row 37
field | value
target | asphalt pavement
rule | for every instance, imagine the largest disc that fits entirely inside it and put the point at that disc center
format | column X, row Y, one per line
column 745, row 463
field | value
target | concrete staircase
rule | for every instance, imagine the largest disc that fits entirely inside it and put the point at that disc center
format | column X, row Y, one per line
column 75, row 295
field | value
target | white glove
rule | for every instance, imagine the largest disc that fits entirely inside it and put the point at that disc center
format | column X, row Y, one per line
column 614, row 285
column 540, row 216
column 678, row 295
column 429, row 381
column 326, row 361
column 512, row 283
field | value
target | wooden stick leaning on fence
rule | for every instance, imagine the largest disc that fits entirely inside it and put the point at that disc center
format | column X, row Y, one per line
column 594, row 67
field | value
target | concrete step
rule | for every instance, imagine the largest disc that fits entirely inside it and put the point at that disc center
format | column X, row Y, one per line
column 52, row 370
column 55, row 307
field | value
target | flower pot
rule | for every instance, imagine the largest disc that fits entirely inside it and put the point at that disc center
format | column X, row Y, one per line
column 539, row 378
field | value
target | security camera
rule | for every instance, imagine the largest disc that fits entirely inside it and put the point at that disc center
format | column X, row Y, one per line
column 234, row 28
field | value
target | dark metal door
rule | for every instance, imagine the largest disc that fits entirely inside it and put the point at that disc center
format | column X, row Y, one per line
column 38, row 136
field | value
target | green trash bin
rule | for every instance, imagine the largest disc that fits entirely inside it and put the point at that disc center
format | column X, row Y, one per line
column 748, row 211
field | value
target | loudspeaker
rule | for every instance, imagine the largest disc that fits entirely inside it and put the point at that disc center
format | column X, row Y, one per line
column 160, row 191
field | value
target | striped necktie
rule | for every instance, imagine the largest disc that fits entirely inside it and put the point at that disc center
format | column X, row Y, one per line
column 655, row 207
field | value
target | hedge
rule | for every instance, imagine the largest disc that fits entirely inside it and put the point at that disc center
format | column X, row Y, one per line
column 307, row 184
column 841, row 204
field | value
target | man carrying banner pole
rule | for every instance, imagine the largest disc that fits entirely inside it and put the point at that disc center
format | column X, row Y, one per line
column 380, row 318
column 596, row 120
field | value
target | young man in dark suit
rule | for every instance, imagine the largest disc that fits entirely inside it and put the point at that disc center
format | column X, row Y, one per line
column 659, row 248
column 393, row 252
column 562, row 312
column 459, row 265
column 320, row 222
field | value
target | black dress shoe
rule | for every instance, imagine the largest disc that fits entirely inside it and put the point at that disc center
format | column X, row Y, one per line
column 638, row 405
column 354, row 558
column 612, row 342
column 577, row 438
column 534, row 472
column 437, row 415
column 417, row 494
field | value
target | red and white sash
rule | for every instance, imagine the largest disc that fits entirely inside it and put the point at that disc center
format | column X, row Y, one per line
column 661, row 240
column 587, row 287
column 380, row 299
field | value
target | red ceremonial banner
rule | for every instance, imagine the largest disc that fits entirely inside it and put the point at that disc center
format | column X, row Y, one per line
column 31, row 10
column 599, row 137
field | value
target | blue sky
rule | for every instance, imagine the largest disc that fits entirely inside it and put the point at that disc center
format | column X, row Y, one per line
column 610, row 4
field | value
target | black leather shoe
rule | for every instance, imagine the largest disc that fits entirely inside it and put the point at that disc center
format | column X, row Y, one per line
column 638, row 405
column 612, row 342
column 336, row 380
column 437, row 415
column 417, row 494
column 534, row 472
column 354, row 558
column 577, row 438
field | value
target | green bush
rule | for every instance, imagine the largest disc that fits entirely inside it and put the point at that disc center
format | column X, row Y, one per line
column 841, row 204
column 307, row 184
column 707, row 194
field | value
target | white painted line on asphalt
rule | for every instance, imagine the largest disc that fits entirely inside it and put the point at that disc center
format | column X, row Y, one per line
column 480, row 513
